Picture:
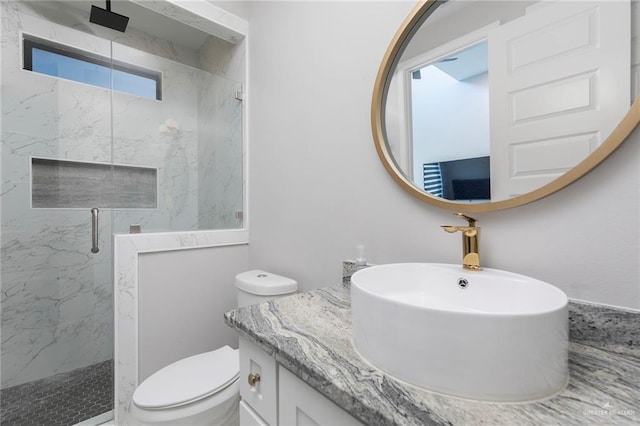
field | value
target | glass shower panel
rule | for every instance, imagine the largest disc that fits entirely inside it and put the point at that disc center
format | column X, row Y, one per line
column 166, row 161
column 57, row 310
column 191, row 139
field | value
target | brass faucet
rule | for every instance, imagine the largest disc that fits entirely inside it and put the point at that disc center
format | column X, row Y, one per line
column 470, row 242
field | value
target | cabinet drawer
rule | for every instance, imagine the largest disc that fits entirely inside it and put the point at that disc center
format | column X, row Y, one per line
column 300, row 404
column 262, row 395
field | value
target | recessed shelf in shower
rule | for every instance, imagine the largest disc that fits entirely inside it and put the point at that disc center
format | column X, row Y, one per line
column 77, row 184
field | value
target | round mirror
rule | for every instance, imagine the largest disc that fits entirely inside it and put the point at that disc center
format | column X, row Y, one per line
column 487, row 105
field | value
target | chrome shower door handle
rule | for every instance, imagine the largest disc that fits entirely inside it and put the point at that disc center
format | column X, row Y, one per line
column 94, row 230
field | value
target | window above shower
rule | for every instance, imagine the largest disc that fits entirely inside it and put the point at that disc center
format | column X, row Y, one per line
column 84, row 108
column 47, row 57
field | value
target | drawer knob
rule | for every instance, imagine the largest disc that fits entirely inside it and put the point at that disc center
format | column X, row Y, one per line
column 253, row 379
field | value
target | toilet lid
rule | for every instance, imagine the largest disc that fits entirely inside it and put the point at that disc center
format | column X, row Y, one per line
column 189, row 379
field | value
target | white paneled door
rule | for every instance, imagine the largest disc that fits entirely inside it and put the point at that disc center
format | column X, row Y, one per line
column 559, row 80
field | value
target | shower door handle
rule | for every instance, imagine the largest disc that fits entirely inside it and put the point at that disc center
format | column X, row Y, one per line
column 94, row 230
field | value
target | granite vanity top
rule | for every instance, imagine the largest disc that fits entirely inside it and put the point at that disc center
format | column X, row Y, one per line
column 310, row 334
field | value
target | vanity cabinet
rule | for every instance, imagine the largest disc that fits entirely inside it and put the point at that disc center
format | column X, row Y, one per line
column 258, row 383
column 272, row 395
column 300, row 404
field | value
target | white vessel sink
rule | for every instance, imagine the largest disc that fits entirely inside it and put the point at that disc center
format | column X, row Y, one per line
column 503, row 337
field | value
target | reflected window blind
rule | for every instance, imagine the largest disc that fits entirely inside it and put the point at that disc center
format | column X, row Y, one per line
column 432, row 178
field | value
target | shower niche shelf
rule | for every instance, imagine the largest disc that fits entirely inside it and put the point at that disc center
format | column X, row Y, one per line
column 76, row 184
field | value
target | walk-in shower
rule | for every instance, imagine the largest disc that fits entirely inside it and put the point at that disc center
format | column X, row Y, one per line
column 102, row 132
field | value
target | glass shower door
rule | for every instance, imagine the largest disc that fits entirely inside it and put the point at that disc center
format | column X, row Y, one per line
column 57, row 284
column 142, row 130
column 185, row 150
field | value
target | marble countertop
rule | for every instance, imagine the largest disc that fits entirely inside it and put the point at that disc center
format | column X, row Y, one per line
column 310, row 334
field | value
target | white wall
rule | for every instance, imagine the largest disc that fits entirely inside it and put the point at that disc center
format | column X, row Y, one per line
column 172, row 289
column 436, row 98
column 182, row 296
column 238, row 8
column 317, row 187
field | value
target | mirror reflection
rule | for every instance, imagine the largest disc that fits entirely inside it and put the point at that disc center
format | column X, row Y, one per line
column 491, row 100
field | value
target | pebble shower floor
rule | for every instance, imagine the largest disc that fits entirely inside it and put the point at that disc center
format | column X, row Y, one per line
column 63, row 399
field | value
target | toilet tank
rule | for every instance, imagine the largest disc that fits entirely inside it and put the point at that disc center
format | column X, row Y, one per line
column 260, row 286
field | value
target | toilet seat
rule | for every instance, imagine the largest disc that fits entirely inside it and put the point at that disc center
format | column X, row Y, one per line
column 189, row 380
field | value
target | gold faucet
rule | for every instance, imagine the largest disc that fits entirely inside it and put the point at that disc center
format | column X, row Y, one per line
column 470, row 242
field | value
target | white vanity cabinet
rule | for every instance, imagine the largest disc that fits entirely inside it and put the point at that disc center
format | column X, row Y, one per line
column 258, row 384
column 300, row 404
column 272, row 395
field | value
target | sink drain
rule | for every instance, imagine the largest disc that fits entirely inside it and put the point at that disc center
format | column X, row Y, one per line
column 462, row 283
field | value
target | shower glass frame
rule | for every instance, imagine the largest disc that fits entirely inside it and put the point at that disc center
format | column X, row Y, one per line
column 57, row 296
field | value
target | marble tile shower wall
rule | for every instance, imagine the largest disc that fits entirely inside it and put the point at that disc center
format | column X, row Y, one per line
column 57, row 312
column 220, row 181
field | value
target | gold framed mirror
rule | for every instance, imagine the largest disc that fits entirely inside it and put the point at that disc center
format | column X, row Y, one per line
column 407, row 57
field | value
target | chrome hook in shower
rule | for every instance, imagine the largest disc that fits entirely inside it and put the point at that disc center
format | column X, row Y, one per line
column 94, row 230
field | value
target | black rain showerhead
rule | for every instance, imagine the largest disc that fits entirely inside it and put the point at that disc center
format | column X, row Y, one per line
column 107, row 18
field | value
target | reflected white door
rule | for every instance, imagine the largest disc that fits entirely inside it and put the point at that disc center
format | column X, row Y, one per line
column 635, row 49
column 559, row 80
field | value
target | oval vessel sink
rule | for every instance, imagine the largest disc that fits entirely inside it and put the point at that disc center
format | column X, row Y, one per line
column 487, row 335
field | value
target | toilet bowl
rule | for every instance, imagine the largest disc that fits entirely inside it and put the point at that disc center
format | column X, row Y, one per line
column 203, row 389
column 199, row 390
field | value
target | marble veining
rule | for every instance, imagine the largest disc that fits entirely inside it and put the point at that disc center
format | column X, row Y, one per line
column 57, row 295
column 226, row 26
column 310, row 334
column 595, row 325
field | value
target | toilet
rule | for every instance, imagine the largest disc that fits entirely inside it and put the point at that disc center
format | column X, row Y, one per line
column 203, row 389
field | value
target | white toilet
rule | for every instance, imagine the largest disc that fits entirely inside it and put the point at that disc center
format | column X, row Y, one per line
column 203, row 389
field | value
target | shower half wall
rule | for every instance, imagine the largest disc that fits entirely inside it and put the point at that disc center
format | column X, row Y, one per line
column 174, row 164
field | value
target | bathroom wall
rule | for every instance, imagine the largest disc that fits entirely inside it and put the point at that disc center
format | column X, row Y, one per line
column 56, row 295
column 182, row 295
column 318, row 188
column 435, row 97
